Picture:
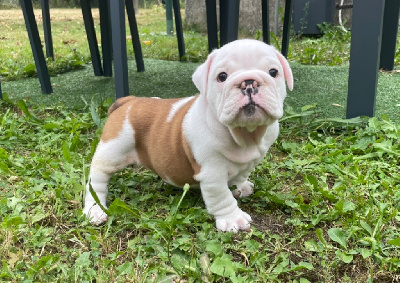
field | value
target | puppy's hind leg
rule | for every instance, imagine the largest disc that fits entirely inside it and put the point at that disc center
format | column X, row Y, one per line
column 110, row 157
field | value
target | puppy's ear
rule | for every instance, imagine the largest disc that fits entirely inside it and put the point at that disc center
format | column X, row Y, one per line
column 200, row 76
column 286, row 70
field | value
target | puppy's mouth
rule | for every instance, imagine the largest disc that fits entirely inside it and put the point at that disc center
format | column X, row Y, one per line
column 250, row 109
column 250, row 104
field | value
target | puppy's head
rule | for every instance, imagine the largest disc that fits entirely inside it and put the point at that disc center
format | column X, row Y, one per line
column 244, row 82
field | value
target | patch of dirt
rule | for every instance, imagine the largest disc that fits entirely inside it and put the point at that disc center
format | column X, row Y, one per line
column 271, row 222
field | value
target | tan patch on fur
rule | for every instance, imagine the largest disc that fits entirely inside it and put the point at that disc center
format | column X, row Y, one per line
column 160, row 145
column 117, row 114
column 119, row 102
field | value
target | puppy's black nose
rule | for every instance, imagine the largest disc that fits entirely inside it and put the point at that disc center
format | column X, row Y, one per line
column 249, row 82
column 249, row 87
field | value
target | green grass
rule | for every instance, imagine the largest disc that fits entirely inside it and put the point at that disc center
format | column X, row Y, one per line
column 326, row 201
column 325, row 207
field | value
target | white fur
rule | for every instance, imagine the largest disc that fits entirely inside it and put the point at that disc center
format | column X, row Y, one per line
column 225, row 143
column 110, row 157
column 225, row 152
column 176, row 106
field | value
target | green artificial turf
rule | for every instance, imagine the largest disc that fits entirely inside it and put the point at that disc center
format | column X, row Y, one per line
column 327, row 87
column 321, row 85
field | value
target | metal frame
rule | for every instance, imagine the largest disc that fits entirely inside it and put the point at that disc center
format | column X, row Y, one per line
column 389, row 34
column 229, row 21
column 286, row 27
column 91, row 36
column 265, row 20
column 105, row 30
column 36, row 46
column 135, row 36
column 47, row 29
column 179, row 29
column 365, row 49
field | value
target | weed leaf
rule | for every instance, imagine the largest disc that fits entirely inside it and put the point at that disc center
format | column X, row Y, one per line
column 66, row 152
column 366, row 227
column 345, row 206
column 395, row 242
column 7, row 99
column 224, row 266
column 346, row 258
column 366, row 253
column 320, row 234
column 12, row 221
column 96, row 198
column 118, row 206
column 22, row 105
column 95, row 114
column 214, row 246
column 302, row 265
column 339, row 236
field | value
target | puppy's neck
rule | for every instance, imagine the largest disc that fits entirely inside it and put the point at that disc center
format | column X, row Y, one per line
column 245, row 138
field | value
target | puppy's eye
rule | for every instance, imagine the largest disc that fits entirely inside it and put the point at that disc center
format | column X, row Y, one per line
column 222, row 77
column 273, row 73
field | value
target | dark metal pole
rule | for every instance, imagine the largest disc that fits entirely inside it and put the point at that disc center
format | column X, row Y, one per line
column 118, row 30
column 212, row 27
column 366, row 38
column 179, row 29
column 286, row 27
column 229, row 20
column 137, row 48
column 91, row 36
column 170, row 20
column 36, row 46
column 105, row 28
column 47, row 29
column 265, row 20
column 389, row 34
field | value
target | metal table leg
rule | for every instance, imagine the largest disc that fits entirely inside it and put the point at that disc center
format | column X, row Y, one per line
column 212, row 26
column 36, row 46
column 105, row 28
column 118, row 31
column 366, row 37
column 179, row 29
column 137, row 48
column 91, row 36
column 389, row 34
column 229, row 20
column 265, row 20
column 286, row 27
column 47, row 29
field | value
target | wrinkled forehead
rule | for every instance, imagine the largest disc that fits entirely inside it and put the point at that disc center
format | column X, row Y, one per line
column 246, row 56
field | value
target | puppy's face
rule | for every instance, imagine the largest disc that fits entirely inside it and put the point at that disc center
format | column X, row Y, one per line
column 244, row 83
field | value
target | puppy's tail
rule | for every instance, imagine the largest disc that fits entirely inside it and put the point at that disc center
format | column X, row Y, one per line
column 119, row 102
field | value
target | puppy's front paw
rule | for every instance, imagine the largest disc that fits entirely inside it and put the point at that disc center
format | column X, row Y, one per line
column 95, row 214
column 243, row 190
column 235, row 221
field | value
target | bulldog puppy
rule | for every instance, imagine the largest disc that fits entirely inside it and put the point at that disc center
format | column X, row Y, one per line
column 214, row 139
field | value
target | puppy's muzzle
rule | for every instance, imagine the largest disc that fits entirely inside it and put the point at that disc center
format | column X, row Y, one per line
column 249, row 88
